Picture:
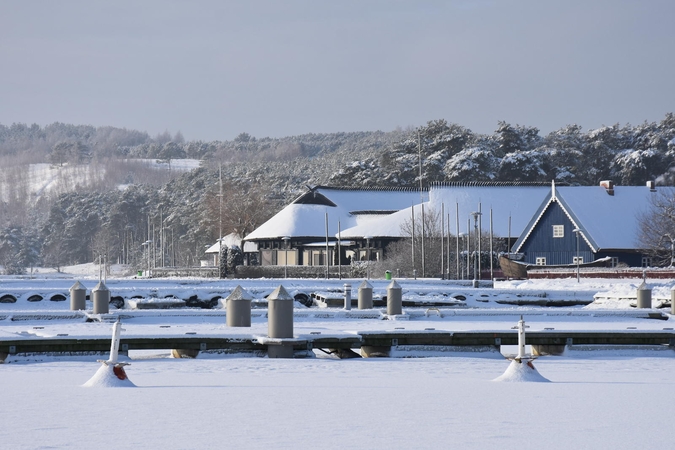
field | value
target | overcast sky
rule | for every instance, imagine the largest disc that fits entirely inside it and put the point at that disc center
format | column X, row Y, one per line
column 214, row 69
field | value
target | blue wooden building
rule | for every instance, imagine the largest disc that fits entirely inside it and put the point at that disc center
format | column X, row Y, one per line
column 588, row 223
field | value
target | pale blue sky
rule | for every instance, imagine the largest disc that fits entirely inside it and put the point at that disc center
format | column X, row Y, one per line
column 214, row 69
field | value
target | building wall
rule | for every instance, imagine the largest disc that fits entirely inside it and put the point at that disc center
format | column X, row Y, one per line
column 558, row 250
column 631, row 259
column 562, row 250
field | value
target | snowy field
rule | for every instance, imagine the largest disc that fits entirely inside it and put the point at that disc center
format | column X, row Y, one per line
column 595, row 398
column 43, row 178
column 618, row 402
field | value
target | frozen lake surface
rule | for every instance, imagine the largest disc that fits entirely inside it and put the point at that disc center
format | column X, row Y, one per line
column 619, row 399
column 593, row 401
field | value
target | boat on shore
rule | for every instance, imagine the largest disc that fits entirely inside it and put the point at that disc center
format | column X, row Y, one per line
column 519, row 270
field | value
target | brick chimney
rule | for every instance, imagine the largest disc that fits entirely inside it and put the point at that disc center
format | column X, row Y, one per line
column 651, row 184
column 608, row 185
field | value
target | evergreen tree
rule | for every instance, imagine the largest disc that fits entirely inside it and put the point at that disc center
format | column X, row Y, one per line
column 234, row 258
column 223, row 261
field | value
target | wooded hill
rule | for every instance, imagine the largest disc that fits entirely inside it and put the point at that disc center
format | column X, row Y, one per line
column 259, row 175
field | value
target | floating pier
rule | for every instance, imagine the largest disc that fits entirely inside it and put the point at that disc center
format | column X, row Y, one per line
column 381, row 341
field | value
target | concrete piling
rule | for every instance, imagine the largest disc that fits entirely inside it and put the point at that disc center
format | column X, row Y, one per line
column 348, row 296
column 365, row 299
column 78, row 297
column 101, row 298
column 280, row 314
column 394, row 299
column 238, row 305
column 644, row 296
column 280, row 322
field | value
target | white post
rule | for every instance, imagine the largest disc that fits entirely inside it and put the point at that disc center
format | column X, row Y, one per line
column 339, row 253
column 286, row 239
column 442, row 241
column 521, row 339
column 458, row 275
column 348, row 296
column 327, row 246
column 577, row 231
column 115, row 343
column 492, row 275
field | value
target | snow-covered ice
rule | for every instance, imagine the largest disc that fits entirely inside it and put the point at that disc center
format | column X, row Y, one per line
column 107, row 376
column 596, row 399
column 520, row 371
column 248, row 403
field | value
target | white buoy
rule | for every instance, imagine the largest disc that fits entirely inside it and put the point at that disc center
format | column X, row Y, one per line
column 521, row 367
column 111, row 373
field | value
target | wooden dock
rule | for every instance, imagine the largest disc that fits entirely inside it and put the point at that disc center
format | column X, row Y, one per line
column 383, row 340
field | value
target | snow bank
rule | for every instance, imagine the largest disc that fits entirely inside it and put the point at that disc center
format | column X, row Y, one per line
column 521, row 372
column 105, row 377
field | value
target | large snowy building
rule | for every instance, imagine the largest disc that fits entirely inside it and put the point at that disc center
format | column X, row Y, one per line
column 533, row 219
column 307, row 230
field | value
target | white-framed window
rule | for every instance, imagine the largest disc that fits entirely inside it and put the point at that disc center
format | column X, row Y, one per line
column 577, row 259
column 615, row 261
column 646, row 261
column 558, row 231
column 541, row 261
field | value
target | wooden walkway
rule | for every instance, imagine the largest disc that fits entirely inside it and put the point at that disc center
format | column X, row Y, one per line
column 376, row 339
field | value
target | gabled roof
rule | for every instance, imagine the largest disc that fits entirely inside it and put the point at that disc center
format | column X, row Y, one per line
column 517, row 202
column 231, row 240
column 607, row 222
column 305, row 217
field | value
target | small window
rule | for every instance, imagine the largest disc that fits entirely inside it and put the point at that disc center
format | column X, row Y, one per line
column 558, row 231
column 615, row 261
column 646, row 261
column 541, row 261
column 577, row 259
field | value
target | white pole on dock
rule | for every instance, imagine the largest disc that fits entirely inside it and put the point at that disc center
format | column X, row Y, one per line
column 521, row 339
column 115, row 343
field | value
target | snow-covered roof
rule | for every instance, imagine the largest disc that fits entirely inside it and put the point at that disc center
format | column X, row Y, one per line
column 609, row 221
column 517, row 202
column 231, row 240
column 305, row 217
column 606, row 221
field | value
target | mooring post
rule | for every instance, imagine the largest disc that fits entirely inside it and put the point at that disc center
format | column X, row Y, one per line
column 280, row 314
column 348, row 296
column 238, row 307
column 365, row 295
column 394, row 299
column 78, row 297
column 115, row 343
column 521, row 339
column 644, row 296
column 101, row 298
column 280, row 322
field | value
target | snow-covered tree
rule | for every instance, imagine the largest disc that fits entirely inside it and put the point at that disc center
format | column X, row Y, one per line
column 531, row 165
column 223, row 268
column 635, row 167
column 657, row 228
column 235, row 258
column 472, row 164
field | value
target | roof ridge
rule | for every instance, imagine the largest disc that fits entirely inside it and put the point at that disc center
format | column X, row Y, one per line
column 373, row 188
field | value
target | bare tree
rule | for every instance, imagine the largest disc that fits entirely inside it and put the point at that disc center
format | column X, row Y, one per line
column 243, row 209
column 427, row 246
column 657, row 228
